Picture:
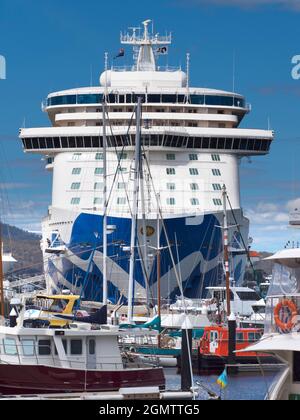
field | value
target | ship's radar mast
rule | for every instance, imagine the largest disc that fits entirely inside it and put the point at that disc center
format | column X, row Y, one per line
column 146, row 43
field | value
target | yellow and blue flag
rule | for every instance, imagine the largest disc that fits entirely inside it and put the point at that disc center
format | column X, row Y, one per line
column 223, row 380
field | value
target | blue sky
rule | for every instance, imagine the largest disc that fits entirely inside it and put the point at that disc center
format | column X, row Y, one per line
column 53, row 44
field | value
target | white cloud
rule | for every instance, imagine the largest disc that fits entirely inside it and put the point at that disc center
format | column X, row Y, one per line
column 293, row 205
column 269, row 225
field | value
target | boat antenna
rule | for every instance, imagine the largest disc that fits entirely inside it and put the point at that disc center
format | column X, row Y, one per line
column 104, row 103
column 188, row 62
column 233, row 70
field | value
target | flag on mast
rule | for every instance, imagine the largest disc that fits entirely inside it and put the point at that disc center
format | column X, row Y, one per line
column 223, row 380
column 162, row 51
column 121, row 53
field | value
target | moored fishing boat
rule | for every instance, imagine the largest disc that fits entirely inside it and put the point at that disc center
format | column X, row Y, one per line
column 44, row 360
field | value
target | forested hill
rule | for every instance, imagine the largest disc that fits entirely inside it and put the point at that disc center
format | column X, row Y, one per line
column 25, row 248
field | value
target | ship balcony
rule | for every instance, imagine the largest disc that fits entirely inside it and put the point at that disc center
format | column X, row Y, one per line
column 180, row 119
column 233, row 141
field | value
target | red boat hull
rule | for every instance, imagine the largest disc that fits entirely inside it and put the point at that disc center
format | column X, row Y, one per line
column 27, row 380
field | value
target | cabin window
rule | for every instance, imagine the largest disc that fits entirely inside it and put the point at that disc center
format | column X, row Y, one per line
column 240, row 337
column 99, row 171
column 194, row 171
column 248, row 296
column 216, row 158
column 28, row 347
column 217, row 187
column 58, row 305
column 44, row 347
column 99, row 156
column 75, row 186
column 171, row 186
column 98, row 186
column 194, row 187
column 76, row 171
column 296, row 367
column 171, row 201
column 121, row 201
column 92, row 347
column 76, row 347
column 171, row 171
column 171, row 156
column 193, row 157
column 10, row 347
column 98, row 201
column 216, row 172
column 217, row 202
column 122, row 156
column 195, row 202
column 76, row 156
column 65, row 345
column 75, row 201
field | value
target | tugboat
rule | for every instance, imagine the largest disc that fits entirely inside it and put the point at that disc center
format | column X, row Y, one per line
column 213, row 353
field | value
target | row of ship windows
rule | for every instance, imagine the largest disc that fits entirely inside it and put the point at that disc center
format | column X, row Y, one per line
column 174, row 141
column 169, row 156
column 169, row 171
column 213, row 100
column 122, row 185
column 75, row 201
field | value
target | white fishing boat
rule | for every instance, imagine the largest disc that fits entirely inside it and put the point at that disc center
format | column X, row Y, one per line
column 84, row 358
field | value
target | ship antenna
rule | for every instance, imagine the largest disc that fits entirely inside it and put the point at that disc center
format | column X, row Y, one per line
column 188, row 61
column 233, row 71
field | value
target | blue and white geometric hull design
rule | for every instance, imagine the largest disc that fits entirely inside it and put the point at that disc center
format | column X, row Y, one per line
column 78, row 264
column 191, row 146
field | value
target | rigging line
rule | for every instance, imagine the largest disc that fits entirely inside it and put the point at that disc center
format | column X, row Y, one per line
column 243, row 242
column 126, row 191
column 166, row 234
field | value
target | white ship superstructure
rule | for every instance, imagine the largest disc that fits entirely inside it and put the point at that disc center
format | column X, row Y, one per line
column 192, row 146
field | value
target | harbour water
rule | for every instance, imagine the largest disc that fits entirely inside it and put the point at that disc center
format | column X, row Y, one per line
column 244, row 386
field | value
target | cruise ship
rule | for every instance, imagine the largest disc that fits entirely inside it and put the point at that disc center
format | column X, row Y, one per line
column 191, row 147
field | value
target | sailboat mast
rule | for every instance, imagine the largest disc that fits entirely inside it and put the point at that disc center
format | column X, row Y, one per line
column 158, row 276
column 137, row 161
column 226, row 251
column 105, row 288
column 145, row 264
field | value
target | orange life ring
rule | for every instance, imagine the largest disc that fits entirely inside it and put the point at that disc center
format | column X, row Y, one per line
column 286, row 326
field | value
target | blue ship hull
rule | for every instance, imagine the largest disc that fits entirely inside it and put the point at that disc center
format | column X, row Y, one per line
column 199, row 249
